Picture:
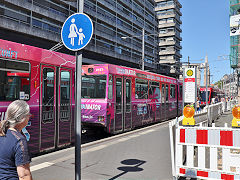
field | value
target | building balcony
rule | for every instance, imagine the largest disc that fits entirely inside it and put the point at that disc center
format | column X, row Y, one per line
column 25, row 28
column 167, row 6
column 40, row 9
column 178, row 54
column 171, row 15
column 167, row 34
column 107, row 20
column 178, row 45
column 108, row 4
column 166, row 25
column 178, row 11
column 168, row 43
column 177, row 35
column 177, row 17
column 167, row 52
column 167, row 61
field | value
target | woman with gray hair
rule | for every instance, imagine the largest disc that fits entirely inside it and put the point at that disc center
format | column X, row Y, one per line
column 14, row 156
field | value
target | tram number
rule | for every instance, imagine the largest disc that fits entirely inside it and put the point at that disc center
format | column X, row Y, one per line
column 99, row 69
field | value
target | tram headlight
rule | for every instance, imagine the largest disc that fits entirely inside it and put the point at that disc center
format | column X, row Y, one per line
column 101, row 118
column 188, row 113
column 236, row 116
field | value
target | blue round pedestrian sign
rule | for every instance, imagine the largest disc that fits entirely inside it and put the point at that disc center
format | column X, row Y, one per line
column 77, row 31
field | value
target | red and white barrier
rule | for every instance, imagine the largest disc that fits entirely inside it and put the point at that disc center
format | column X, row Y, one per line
column 206, row 152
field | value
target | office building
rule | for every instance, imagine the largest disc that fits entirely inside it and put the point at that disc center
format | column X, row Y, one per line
column 235, row 39
column 168, row 15
column 39, row 22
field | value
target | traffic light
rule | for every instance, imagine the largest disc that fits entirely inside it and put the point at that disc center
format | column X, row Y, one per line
column 236, row 116
column 188, row 113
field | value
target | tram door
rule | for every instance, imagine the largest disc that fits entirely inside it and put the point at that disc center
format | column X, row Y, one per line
column 127, row 104
column 123, row 111
column 64, row 108
column 48, row 107
column 163, row 107
column 55, row 103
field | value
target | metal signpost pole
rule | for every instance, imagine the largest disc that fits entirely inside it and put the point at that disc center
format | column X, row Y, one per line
column 183, row 90
column 78, row 128
column 143, row 46
column 70, row 27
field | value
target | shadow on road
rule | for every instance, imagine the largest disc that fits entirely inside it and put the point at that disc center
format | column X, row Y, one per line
column 132, row 166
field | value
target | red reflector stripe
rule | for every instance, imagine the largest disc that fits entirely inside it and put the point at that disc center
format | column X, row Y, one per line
column 182, row 171
column 182, row 135
column 227, row 177
column 202, row 173
column 226, row 138
column 202, row 136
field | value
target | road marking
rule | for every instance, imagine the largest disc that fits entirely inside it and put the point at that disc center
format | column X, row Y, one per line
column 96, row 148
column 40, row 166
column 148, row 131
column 133, row 136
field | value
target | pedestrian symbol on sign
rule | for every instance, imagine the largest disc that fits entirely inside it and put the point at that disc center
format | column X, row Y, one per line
column 77, row 31
column 73, row 32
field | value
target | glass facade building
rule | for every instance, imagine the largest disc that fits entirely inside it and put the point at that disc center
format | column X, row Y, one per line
column 169, row 24
column 39, row 22
column 234, row 33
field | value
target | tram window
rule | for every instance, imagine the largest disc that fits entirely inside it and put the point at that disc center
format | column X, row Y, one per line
column 128, row 95
column 118, row 95
column 48, row 95
column 167, row 92
column 14, row 80
column 163, row 93
column 141, row 89
column 154, row 90
column 48, row 86
column 65, row 96
column 110, row 87
column 172, row 91
column 94, row 86
column 65, row 86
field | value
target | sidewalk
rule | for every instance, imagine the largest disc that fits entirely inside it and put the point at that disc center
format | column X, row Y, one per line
column 224, row 118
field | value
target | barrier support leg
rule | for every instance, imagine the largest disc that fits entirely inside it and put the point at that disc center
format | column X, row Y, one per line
column 172, row 147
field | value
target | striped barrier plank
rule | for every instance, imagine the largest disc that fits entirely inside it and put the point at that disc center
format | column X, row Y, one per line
column 208, row 152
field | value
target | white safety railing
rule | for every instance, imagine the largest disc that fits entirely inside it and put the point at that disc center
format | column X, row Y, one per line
column 206, row 153
column 214, row 112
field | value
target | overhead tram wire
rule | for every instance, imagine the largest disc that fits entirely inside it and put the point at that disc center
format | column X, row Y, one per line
column 57, row 47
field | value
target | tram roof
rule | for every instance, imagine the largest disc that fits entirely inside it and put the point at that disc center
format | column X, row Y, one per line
column 17, row 51
column 122, row 70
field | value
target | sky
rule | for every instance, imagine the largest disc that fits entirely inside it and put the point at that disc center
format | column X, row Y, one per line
column 205, row 31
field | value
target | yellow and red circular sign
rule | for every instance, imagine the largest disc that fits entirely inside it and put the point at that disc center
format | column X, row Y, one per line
column 189, row 72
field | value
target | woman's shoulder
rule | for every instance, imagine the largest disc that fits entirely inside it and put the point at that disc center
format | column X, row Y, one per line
column 16, row 134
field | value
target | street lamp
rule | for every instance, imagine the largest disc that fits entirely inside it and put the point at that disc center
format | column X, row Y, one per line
column 143, row 43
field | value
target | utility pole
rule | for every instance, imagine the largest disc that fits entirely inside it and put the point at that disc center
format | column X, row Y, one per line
column 206, row 66
column 188, row 61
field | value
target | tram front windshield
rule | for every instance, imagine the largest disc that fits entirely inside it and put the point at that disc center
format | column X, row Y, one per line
column 203, row 95
column 94, row 86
